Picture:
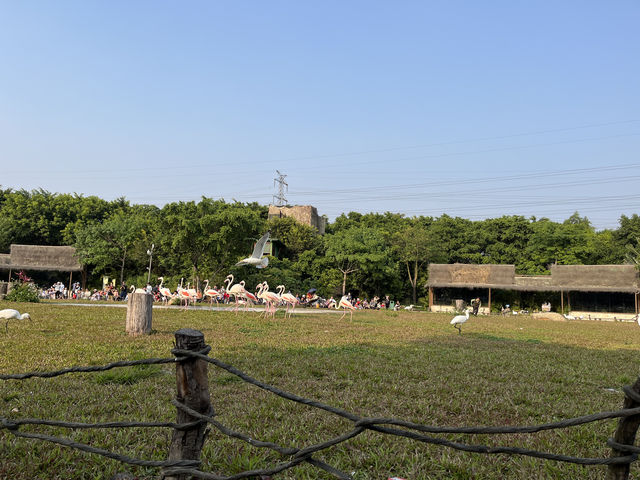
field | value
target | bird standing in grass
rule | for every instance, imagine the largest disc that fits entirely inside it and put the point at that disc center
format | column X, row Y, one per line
column 458, row 320
column 9, row 313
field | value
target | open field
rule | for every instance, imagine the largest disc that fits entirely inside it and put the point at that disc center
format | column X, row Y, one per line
column 412, row 366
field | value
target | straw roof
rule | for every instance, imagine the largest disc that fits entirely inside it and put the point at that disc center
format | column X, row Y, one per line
column 595, row 278
column 40, row 257
column 586, row 278
column 470, row 275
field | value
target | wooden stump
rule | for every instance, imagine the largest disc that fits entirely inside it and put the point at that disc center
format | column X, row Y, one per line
column 139, row 307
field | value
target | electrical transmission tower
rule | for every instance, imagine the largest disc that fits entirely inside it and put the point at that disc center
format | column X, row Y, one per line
column 279, row 199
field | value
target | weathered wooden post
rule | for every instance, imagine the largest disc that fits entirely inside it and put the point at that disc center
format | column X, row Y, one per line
column 193, row 391
column 139, row 308
column 625, row 434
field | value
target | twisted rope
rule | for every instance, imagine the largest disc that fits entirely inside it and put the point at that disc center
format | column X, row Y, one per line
column 12, row 424
column 105, row 453
column 305, row 455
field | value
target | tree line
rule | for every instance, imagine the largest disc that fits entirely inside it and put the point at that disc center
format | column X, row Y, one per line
column 365, row 254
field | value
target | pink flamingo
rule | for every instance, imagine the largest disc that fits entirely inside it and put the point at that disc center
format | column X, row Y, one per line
column 164, row 292
column 183, row 294
column 288, row 299
column 346, row 304
column 236, row 290
column 272, row 299
column 212, row 293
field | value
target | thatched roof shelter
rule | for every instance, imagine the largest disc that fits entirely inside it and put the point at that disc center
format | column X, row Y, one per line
column 40, row 257
column 462, row 275
column 577, row 278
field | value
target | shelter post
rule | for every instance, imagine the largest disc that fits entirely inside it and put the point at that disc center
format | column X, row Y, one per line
column 431, row 299
column 561, row 301
column 489, row 301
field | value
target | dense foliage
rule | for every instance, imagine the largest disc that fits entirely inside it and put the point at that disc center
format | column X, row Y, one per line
column 366, row 254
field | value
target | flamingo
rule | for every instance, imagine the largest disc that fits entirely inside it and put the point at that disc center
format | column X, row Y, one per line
column 164, row 292
column 459, row 320
column 256, row 257
column 137, row 290
column 249, row 298
column 184, row 294
column 346, row 304
column 236, row 290
column 9, row 313
column 212, row 293
column 289, row 299
column 272, row 299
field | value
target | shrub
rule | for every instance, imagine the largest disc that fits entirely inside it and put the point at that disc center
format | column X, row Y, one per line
column 23, row 292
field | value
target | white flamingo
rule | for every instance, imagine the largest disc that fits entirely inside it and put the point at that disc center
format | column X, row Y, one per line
column 9, row 313
column 458, row 320
column 346, row 304
column 212, row 293
column 256, row 257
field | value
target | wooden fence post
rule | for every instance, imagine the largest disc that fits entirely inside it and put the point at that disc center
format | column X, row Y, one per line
column 193, row 391
column 139, row 308
column 625, row 434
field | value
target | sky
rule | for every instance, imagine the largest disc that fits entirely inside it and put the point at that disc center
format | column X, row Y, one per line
column 465, row 108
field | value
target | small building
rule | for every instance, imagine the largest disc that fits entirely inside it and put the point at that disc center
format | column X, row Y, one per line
column 41, row 258
column 579, row 288
column 305, row 214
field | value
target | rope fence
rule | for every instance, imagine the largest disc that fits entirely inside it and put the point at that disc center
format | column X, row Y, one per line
column 195, row 414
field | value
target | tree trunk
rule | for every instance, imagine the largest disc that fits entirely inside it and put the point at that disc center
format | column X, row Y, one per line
column 124, row 257
column 139, row 308
column 344, row 282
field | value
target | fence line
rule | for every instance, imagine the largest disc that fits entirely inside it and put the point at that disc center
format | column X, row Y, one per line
column 622, row 456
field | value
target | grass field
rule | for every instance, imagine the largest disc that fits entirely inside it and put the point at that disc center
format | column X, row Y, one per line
column 408, row 365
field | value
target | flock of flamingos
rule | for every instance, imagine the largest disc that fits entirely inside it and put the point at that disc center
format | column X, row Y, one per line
column 242, row 296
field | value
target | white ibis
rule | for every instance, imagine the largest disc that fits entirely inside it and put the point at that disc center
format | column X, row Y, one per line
column 459, row 320
column 9, row 313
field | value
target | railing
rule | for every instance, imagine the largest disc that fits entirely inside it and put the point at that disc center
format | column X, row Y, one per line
column 195, row 413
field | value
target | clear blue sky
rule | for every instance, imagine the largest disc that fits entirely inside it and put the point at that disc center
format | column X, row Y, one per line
column 474, row 109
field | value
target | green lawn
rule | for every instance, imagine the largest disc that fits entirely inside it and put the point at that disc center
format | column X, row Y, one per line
column 412, row 366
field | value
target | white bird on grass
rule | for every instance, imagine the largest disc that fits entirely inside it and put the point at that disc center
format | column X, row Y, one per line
column 458, row 320
column 9, row 313
column 256, row 257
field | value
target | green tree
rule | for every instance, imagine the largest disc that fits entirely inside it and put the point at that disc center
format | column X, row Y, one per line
column 357, row 249
column 415, row 246
column 295, row 236
column 207, row 237
column 107, row 245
